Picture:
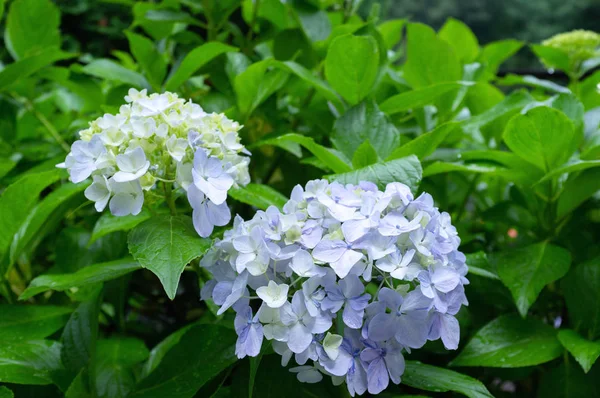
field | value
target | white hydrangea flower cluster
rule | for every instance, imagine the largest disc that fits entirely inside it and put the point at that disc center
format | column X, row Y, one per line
column 160, row 138
column 310, row 268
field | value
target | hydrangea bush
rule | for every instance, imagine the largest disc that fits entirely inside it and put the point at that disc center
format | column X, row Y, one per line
column 160, row 139
column 306, row 270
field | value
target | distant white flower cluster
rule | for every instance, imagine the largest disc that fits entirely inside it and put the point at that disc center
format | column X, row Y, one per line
column 160, row 137
column 314, row 263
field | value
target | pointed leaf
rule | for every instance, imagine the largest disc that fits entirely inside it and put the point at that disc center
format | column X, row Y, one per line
column 510, row 342
column 31, row 25
column 29, row 362
column 31, row 322
column 582, row 295
column 526, row 270
column 107, row 223
column 364, row 155
column 258, row 195
column 585, row 352
column 165, row 245
column 425, row 144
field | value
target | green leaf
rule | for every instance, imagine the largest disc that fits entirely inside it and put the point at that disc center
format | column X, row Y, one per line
column 543, row 136
column 495, row 53
column 582, row 294
column 193, row 61
column 79, row 387
column 115, row 376
column 80, row 335
column 552, row 57
column 258, row 195
column 577, row 190
column 365, row 155
column 479, row 265
column 158, row 353
column 365, row 122
column 566, row 381
column 31, row 322
column 325, row 155
column 417, row 98
column 512, row 103
column 29, row 362
column 425, row 144
column 165, row 245
column 110, row 70
column 256, row 84
column 526, row 270
column 25, row 67
column 4, row 391
column 446, row 167
column 314, row 22
column 531, row 81
column 430, row 60
column 86, row 276
column 31, row 26
column 510, row 342
column 461, row 38
column 254, row 363
column 351, row 66
column 107, row 223
column 406, row 170
column 306, row 75
column 148, row 57
column 186, row 366
column 432, row 378
column 571, row 167
column 585, row 352
column 391, row 32
column 15, row 204
column 47, row 213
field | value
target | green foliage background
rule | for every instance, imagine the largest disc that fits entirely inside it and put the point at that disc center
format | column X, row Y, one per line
column 324, row 88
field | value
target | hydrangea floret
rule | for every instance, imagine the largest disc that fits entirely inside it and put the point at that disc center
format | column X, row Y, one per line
column 161, row 139
column 346, row 279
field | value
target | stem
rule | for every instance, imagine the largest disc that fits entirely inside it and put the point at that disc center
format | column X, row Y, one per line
column 51, row 129
column 253, row 21
column 168, row 188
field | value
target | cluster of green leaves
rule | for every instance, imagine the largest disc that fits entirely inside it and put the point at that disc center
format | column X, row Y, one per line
column 99, row 306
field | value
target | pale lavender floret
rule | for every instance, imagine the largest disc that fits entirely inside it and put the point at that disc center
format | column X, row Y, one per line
column 436, row 282
column 445, row 325
column 384, row 363
column 210, row 178
column 84, row 158
column 406, row 321
column 339, row 254
column 250, row 333
column 349, row 295
column 205, row 214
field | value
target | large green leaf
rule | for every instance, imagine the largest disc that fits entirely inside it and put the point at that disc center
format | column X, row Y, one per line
column 31, row 322
column 365, row 155
column 425, row 144
column 165, row 245
column 585, row 352
column 4, row 391
column 257, row 83
column 202, row 353
column 510, row 342
column 193, row 61
column 571, row 167
column 258, row 195
column 365, row 122
column 31, row 25
column 15, row 204
column 577, row 190
column 429, row 59
column 115, row 358
column 405, row 170
column 532, row 81
column 495, row 53
column 42, row 217
column 25, row 67
column 582, row 294
column 325, row 155
column 351, row 66
column 29, row 362
column 110, row 70
column 417, row 98
column 148, row 57
column 432, row 378
column 161, row 349
column 107, row 223
column 80, row 334
column 526, row 270
column 461, row 38
column 552, row 57
column 543, row 136
column 96, row 273
column 314, row 22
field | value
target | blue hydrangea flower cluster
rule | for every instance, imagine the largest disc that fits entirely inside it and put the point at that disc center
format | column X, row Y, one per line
column 347, row 277
column 160, row 138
